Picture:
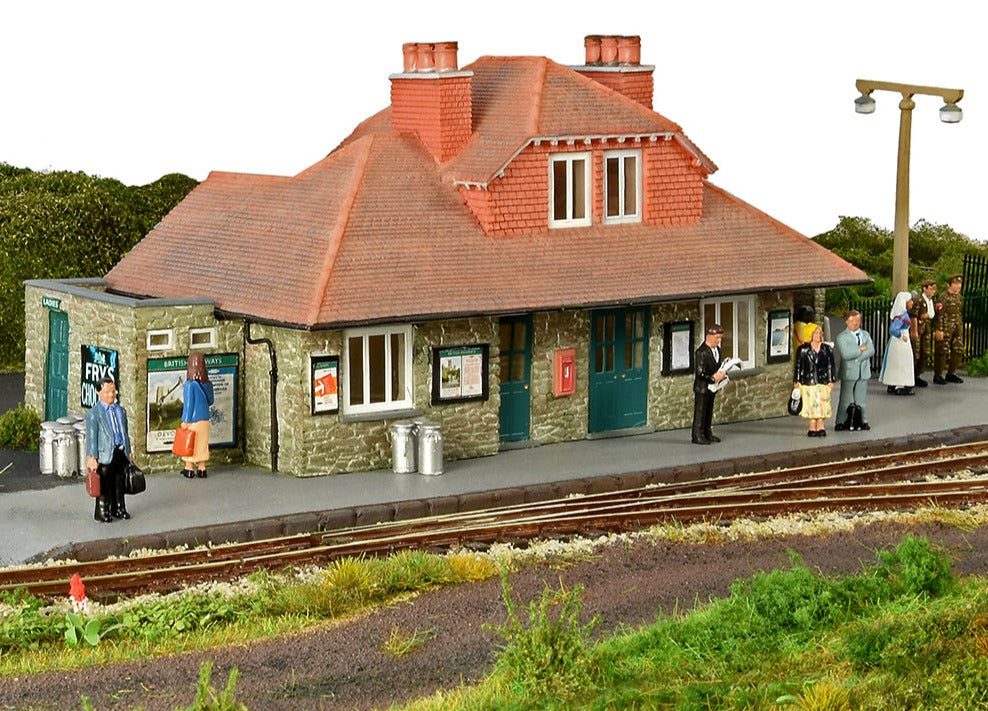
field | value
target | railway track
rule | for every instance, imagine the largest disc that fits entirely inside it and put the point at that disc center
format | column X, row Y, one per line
column 944, row 476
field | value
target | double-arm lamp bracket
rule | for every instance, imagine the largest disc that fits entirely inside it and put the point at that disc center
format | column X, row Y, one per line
column 949, row 113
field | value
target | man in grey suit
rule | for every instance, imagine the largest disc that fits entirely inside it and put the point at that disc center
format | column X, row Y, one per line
column 108, row 451
column 856, row 349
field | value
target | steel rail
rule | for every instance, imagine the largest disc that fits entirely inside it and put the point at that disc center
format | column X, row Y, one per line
column 867, row 483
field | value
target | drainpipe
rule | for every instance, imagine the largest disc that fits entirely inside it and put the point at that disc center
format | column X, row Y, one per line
column 273, row 373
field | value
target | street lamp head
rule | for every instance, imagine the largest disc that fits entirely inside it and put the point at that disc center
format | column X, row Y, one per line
column 864, row 104
column 951, row 113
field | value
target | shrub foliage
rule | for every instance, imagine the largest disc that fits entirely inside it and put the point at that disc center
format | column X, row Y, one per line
column 19, row 429
column 935, row 252
column 66, row 225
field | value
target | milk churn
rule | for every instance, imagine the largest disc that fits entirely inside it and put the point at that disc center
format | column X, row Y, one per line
column 430, row 447
column 403, row 447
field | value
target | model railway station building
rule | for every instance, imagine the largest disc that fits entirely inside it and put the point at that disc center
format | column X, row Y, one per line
column 524, row 252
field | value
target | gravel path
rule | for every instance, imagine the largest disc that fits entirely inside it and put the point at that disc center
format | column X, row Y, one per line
column 343, row 666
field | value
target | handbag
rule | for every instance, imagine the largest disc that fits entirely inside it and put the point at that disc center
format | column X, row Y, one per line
column 92, row 483
column 134, row 480
column 185, row 442
column 795, row 402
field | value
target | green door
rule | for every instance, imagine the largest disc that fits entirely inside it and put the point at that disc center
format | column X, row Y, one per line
column 618, row 369
column 516, row 370
column 57, row 366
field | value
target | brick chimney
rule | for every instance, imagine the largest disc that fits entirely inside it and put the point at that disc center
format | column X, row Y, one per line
column 615, row 62
column 431, row 98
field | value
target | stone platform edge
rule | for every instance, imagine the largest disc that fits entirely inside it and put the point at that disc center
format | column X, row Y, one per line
column 328, row 520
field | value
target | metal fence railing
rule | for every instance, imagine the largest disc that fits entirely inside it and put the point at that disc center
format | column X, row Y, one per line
column 875, row 320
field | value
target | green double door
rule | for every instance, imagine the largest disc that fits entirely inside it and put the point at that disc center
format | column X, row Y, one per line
column 57, row 366
column 618, row 369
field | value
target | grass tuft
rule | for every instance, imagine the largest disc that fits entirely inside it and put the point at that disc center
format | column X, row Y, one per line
column 400, row 642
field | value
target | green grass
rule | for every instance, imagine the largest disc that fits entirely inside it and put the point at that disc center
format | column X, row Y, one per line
column 36, row 636
column 903, row 634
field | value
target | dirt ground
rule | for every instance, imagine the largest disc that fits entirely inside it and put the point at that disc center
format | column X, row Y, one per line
column 343, row 666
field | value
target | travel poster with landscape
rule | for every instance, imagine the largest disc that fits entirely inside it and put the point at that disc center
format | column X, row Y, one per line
column 166, row 381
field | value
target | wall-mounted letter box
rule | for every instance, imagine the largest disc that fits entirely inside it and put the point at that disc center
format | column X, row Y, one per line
column 564, row 372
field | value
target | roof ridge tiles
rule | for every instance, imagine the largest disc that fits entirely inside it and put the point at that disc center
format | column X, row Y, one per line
column 537, row 95
column 340, row 226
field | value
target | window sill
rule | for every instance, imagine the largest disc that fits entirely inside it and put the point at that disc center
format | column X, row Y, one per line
column 746, row 373
column 383, row 415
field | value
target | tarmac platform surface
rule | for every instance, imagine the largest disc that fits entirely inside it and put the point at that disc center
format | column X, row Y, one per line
column 45, row 515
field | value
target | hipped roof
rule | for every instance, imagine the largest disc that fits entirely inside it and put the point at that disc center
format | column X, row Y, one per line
column 377, row 231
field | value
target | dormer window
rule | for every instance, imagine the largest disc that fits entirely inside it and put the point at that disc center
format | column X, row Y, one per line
column 622, row 186
column 569, row 189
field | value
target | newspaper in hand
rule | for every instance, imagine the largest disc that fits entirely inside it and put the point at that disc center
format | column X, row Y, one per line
column 727, row 365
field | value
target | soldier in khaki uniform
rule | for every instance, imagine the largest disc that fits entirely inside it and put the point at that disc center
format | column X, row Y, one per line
column 948, row 332
column 921, row 314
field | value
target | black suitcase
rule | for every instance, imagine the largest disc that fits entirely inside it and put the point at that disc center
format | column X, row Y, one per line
column 854, row 418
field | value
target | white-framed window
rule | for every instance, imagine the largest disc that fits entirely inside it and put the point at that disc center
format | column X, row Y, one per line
column 622, row 186
column 202, row 338
column 569, row 190
column 736, row 314
column 378, row 369
column 160, row 340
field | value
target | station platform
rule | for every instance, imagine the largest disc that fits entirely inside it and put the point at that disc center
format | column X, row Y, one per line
column 45, row 516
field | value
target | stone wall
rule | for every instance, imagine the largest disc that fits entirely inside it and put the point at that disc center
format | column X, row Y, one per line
column 120, row 324
column 670, row 397
column 751, row 395
column 332, row 443
column 559, row 419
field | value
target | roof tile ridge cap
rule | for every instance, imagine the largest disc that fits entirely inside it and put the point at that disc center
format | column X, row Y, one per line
column 690, row 146
column 228, row 175
column 337, row 239
column 541, row 71
column 629, row 103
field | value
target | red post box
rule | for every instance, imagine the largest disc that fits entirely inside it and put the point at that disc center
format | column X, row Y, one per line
column 564, row 372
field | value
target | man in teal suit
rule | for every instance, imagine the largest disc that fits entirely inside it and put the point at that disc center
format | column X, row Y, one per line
column 108, row 451
column 856, row 349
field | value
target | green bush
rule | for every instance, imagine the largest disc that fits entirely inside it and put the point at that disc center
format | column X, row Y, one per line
column 935, row 252
column 62, row 225
column 978, row 366
column 20, row 428
column 550, row 656
column 914, row 568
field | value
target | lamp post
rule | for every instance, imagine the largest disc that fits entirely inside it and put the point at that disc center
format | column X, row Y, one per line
column 949, row 113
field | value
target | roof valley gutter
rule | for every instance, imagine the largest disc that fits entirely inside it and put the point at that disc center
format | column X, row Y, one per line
column 273, row 375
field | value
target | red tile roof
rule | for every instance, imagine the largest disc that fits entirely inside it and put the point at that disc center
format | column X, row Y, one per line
column 377, row 232
column 516, row 99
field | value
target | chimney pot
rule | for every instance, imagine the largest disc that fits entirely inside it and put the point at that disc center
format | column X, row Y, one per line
column 445, row 56
column 424, row 59
column 608, row 50
column 629, row 50
column 409, row 52
column 591, row 44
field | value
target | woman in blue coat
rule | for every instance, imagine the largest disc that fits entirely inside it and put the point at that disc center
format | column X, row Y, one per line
column 197, row 397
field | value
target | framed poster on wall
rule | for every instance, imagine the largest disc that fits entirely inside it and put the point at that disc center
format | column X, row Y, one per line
column 166, row 381
column 324, row 381
column 779, row 340
column 677, row 347
column 459, row 373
